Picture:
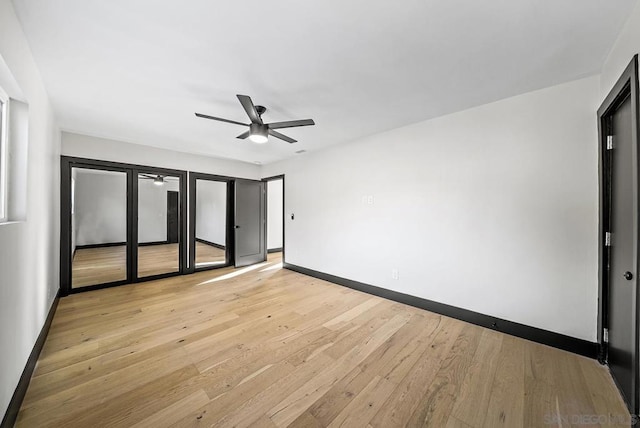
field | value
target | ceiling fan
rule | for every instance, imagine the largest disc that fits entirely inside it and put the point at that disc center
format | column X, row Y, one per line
column 258, row 130
column 158, row 179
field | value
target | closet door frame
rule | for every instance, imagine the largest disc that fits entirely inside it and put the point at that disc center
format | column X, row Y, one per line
column 229, row 215
column 67, row 163
column 182, row 222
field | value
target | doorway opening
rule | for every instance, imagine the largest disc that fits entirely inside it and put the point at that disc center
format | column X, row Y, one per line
column 275, row 214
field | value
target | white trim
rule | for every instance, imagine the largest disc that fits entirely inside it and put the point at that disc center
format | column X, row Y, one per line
column 4, row 153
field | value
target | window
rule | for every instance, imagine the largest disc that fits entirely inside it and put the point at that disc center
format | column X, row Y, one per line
column 4, row 154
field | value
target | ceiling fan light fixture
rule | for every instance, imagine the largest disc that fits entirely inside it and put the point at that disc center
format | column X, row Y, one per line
column 158, row 181
column 258, row 133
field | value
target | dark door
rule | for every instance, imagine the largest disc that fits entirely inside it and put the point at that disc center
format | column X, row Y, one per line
column 250, row 219
column 172, row 217
column 622, row 272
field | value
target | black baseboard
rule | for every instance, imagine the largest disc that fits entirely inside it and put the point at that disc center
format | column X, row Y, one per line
column 148, row 244
column 119, row 244
column 11, row 414
column 212, row 244
column 106, row 244
column 275, row 250
column 556, row 340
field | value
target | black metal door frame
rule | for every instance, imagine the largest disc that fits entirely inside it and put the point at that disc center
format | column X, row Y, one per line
column 625, row 87
column 229, row 235
column 67, row 163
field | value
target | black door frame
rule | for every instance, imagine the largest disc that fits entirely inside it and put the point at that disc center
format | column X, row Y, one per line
column 266, row 180
column 626, row 86
column 67, row 163
column 229, row 235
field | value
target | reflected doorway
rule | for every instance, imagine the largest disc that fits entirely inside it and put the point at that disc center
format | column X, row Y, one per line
column 275, row 214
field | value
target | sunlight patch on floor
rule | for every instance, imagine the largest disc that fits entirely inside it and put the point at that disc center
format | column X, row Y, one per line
column 274, row 267
column 235, row 273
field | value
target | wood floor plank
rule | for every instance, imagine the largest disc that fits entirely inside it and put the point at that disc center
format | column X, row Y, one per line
column 408, row 394
column 389, row 360
column 472, row 399
column 175, row 411
column 286, row 411
column 267, row 347
column 507, row 395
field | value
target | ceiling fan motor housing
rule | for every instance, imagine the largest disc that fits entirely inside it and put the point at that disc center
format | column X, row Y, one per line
column 259, row 129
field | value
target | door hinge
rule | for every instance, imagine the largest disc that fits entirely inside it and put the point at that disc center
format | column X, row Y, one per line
column 605, row 335
column 607, row 239
column 609, row 142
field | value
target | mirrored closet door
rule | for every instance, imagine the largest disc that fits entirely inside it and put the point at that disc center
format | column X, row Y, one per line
column 210, row 214
column 120, row 224
column 159, row 224
column 98, row 227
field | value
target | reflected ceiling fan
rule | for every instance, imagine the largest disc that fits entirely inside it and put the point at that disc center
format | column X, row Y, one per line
column 258, row 130
column 158, row 179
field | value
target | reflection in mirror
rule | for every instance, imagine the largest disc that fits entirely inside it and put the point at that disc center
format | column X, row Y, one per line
column 98, row 227
column 158, row 224
column 211, row 223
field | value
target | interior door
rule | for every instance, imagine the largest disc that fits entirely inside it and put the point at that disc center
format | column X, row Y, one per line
column 172, row 217
column 250, row 222
column 622, row 271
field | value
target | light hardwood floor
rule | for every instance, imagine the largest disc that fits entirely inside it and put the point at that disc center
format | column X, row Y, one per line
column 267, row 347
column 208, row 255
column 102, row 265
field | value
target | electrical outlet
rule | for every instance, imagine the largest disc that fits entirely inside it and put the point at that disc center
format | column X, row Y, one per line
column 370, row 200
column 395, row 273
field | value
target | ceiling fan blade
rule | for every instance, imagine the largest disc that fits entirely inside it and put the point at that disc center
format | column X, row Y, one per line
column 204, row 116
column 291, row 124
column 147, row 176
column 244, row 135
column 248, row 106
column 282, row 136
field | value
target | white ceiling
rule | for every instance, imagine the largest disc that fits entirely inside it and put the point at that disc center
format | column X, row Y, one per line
column 137, row 70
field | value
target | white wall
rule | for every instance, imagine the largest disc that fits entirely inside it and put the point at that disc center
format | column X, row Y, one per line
column 100, row 207
column 493, row 209
column 29, row 260
column 152, row 209
column 274, row 214
column 626, row 46
column 117, row 151
column 211, row 211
